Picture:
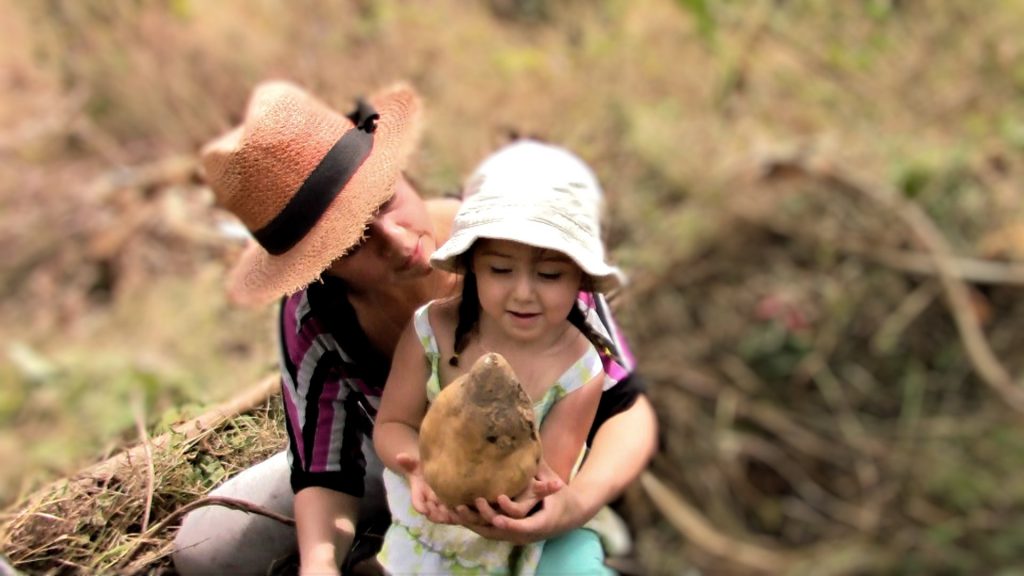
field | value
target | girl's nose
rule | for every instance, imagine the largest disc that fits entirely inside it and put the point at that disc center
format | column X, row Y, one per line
column 523, row 289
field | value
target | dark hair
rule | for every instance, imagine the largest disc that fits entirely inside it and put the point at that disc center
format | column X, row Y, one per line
column 469, row 313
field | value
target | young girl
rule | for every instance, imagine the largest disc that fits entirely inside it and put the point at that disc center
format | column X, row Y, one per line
column 527, row 243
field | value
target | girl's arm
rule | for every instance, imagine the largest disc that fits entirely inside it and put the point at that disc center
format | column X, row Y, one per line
column 396, row 432
column 620, row 452
column 403, row 404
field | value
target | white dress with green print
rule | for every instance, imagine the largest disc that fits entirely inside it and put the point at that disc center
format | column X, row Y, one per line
column 414, row 544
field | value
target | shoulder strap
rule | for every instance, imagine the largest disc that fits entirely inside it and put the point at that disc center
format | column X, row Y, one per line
column 425, row 332
column 582, row 370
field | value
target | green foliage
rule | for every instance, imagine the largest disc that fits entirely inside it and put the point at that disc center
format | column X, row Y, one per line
column 522, row 10
column 208, row 471
column 700, row 11
column 182, row 9
column 515, row 61
column 880, row 10
column 773, row 350
column 1012, row 130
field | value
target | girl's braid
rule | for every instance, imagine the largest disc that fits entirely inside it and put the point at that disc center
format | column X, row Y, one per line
column 469, row 315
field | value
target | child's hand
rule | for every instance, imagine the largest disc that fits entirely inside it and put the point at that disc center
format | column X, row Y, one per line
column 424, row 500
column 543, row 484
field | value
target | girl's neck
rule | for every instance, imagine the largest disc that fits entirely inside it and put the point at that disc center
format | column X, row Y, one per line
column 537, row 363
column 492, row 338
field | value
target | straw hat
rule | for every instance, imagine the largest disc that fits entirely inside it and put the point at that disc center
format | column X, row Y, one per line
column 306, row 180
column 535, row 194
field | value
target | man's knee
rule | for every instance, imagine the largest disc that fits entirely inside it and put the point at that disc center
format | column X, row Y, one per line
column 217, row 540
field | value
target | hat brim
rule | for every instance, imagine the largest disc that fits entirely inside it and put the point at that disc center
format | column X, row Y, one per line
column 606, row 277
column 260, row 277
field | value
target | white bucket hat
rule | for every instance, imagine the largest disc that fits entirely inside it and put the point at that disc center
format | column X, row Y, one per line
column 510, row 160
column 535, row 194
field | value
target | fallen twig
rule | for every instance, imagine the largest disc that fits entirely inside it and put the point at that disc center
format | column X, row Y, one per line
column 809, row 491
column 766, row 415
column 909, row 310
column 140, row 425
column 970, row 269
column 169, row 170
column 974, row 270
column 56, row 119
column 698, row 530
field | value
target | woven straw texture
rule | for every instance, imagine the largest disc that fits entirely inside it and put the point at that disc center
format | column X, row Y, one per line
column 257, row 167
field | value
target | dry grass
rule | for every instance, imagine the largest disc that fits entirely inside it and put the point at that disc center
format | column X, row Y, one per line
column 113, row 516
column 820, row 406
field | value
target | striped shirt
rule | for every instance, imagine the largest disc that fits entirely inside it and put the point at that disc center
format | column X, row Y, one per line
column 332, row 380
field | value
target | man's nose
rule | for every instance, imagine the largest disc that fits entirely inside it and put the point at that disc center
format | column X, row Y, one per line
column 387, row 231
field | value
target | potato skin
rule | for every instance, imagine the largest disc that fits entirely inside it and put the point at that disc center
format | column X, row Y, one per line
column 479, row 438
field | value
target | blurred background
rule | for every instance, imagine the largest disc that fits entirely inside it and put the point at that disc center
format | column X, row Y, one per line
column 818, row 203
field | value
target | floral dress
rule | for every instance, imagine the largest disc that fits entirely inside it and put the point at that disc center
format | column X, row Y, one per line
column 415, row 545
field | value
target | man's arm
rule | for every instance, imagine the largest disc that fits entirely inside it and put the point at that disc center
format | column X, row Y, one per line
column 321, row 412
column 564, row 430
column 325, row 521
column 622, row 448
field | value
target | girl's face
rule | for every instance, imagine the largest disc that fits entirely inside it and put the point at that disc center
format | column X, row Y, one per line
column 527, row 291
column 397, row 246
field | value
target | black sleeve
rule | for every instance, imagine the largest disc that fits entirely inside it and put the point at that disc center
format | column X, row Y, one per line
column 616, row 399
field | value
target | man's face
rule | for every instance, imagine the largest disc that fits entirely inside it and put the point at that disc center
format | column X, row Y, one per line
column 397, row 244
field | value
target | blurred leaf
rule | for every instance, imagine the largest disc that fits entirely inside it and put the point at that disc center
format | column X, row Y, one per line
column 520, row 60
column 210, row 470
column 180, row 8
column 945, row 533
column 30, row 364
column 880, row 9
column 913, row 179
column 701, row 12
column 1012, row 130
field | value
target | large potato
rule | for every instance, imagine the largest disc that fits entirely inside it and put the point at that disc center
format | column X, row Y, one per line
column 478, row 437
